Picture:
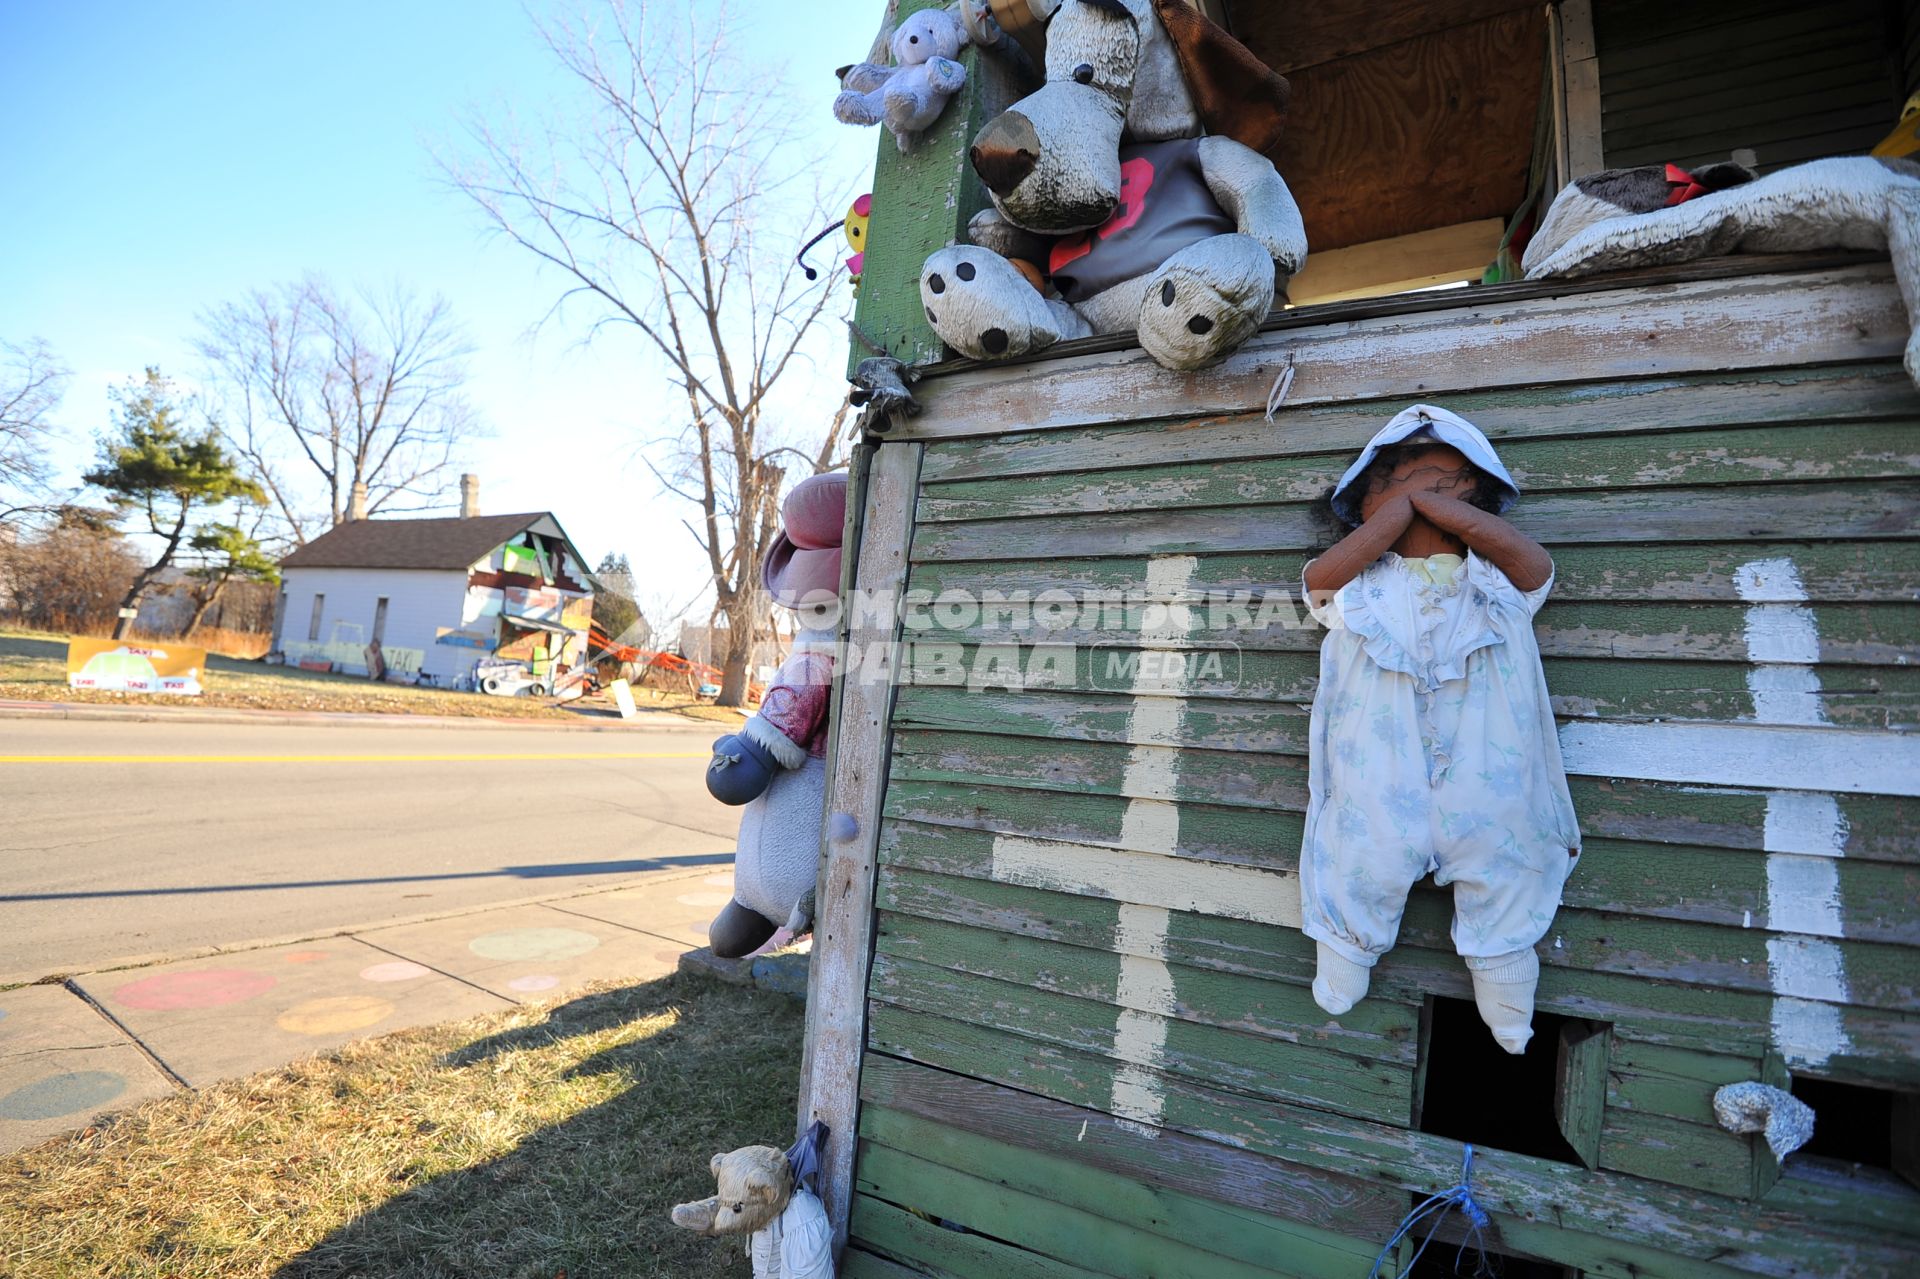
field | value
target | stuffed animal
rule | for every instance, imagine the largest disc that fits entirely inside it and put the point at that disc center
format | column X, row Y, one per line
column 776, row 764
column 767, row 1196
column 1431, row 745
column 1136, row 174
column 1658, row 214
column 909, row 95
column 854, row 227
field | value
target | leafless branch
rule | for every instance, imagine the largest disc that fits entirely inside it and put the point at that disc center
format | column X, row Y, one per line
column 319, row 391
column 650, row 202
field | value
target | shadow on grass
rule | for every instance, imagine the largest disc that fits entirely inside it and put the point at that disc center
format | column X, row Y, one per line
column 590, row 1196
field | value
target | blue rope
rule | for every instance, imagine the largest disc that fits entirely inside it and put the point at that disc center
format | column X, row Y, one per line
column 1460, row 1197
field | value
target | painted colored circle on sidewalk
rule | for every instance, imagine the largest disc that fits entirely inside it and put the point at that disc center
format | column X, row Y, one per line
column 704, row 899
column 69, row 1094
column 306, row 956
column 395, row 970
column 539, row 981
column 207, row 988
column 3, row 1014
column 724, row 879
column 533, row 943
column 668, row 956
column 333, row 1014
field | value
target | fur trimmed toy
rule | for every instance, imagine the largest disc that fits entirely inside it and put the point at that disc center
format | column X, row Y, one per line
column 1103, row 175
column 766, row 1195
column 908, row 96
column 776, row 764
column 1659, row 214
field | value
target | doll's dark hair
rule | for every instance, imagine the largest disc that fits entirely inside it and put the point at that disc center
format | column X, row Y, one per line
column 1487, row 494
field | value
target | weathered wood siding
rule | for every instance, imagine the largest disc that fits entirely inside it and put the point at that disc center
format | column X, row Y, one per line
column 1090, row 1040
column 1790, row 80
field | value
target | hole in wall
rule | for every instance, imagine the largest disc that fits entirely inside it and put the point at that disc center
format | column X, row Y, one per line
column 1477, row 1092
column 1442, row 1260
column 1851, row 1123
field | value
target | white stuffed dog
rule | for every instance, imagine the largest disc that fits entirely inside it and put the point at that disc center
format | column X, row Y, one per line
column 910, row 95
column 1136, row 173
column 1658, row 214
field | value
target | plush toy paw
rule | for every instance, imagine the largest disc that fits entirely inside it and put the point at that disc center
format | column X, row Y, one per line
column 1206, row 300
column 981, row 306
column 857, row 108
column 741, row 769
column 864, row 77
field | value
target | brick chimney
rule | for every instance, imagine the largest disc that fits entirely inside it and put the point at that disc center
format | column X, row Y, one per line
column 357, row 503
column 469, row 496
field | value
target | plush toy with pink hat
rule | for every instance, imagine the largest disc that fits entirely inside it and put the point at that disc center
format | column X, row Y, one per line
column 776, row 764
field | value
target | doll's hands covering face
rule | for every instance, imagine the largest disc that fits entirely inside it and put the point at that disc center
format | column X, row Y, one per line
column 1439, row 469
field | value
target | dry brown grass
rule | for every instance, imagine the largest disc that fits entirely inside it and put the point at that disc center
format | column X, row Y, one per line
column 521, row 1145
column 33, row 668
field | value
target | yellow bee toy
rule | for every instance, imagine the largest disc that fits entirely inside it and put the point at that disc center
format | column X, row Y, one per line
column 855, row 228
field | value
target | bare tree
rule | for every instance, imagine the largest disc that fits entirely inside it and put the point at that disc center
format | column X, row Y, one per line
column 651, row 204
column 32, row 381
column 320, row 392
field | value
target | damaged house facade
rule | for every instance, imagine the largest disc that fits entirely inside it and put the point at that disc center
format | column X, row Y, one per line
column 440, row 597
column 1060, row 1020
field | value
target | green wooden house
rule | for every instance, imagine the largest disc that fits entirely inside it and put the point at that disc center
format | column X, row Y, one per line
column 1060, row 1018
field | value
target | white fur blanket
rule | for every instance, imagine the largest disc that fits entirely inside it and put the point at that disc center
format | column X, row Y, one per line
column 1602, row 222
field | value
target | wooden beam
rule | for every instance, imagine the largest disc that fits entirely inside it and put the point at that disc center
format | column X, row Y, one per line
column 922, row 199
column 1465, row 344
column 1580, row 78
column 843, row 916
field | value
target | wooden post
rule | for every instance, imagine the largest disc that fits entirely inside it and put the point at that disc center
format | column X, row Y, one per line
column 1580, row 76
column 921, row 202
column 885, row 491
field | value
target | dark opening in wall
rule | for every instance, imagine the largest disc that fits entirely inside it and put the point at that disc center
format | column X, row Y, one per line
column 1475, row 1091
column 1442, row 1260
column 1850, row 1123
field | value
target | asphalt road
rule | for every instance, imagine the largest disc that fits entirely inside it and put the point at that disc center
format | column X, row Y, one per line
column 126, row 839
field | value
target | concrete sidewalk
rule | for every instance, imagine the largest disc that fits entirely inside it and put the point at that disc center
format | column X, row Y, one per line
column 104, row 1041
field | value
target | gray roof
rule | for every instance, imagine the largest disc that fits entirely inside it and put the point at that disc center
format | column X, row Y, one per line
column 437, row 543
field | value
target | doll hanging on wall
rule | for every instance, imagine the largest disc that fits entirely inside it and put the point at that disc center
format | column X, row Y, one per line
column 1433, row 746
column 776, row 764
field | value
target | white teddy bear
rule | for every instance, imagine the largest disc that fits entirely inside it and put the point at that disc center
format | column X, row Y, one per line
column 910, row 95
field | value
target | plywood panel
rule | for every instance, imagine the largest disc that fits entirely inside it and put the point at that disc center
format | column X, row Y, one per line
column 1288, row 37
column 1425, row 133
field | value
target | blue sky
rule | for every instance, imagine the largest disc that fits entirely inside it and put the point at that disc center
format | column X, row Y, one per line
column 157, row 160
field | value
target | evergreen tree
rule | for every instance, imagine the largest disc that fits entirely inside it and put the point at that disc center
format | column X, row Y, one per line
column 233, row 554
column 154, row 468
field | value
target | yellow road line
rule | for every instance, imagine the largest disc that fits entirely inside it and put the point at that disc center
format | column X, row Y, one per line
column 342, row 759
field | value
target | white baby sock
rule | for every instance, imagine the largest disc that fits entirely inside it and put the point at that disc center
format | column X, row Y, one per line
column 1503, row 988
column 1338, row 982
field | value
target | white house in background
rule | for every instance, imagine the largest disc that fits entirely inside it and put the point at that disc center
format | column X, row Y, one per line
column 440, row 596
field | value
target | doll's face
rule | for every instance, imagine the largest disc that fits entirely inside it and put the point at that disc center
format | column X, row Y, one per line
column 1432, row 468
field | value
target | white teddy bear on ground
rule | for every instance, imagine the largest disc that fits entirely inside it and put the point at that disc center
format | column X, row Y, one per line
column 910, row 95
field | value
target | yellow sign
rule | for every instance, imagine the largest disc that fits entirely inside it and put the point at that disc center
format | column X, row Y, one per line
column 129, row 667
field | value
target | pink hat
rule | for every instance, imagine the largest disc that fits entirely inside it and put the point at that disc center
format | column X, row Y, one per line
column 805, row 558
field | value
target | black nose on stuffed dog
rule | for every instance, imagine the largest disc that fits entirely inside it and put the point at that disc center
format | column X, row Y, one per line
column 1005, row 152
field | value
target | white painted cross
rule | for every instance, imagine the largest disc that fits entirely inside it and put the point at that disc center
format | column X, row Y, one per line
column 1143, row 874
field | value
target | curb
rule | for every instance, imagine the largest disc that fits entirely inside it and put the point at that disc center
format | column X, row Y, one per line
column 784, row 972
column 9, row 981
column 669, row 721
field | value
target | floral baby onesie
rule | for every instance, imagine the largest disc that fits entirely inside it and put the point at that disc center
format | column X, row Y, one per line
column 1434, row 749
